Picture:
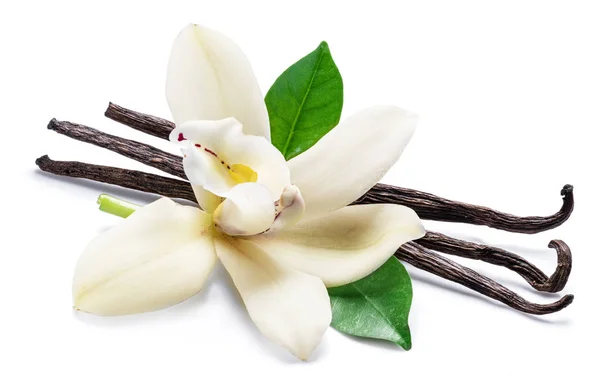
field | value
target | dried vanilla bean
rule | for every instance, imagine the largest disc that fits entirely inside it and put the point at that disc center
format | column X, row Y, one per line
column 144, row 153
column 149, row 124
column 126, row 178
column 425, row 259
column 534, row 276
column 427, row 206
column 432, row 207
column 412, row 253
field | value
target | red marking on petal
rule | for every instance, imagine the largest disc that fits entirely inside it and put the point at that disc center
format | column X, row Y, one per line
column 198, row 145
column 181, row 138
column 210, row 152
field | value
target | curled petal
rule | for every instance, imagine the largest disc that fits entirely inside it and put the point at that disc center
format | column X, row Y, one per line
column 219, row 155
column 351, row 158
column 159, row 256
column 345, row 245
column 247, row 210
column 210, row 78
column 291, row 209
column 289, row 307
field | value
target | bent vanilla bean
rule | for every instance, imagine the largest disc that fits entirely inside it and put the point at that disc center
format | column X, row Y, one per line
column 431, row 207
column 533, row 275
column 425, row 259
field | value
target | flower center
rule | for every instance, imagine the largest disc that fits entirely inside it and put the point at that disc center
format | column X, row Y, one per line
column 241, row 173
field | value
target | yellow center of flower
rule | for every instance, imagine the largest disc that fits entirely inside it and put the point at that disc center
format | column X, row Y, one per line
column 241, row 173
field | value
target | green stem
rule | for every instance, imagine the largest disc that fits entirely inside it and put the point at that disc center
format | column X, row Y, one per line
column 115, row 206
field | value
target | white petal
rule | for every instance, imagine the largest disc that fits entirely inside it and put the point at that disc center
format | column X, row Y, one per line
column 351, row 158
column 345, row 245
column 248, row 210
column 210, row 78
column 215, row 148
column 289, row 307
column 159, row 256
column 205, row 170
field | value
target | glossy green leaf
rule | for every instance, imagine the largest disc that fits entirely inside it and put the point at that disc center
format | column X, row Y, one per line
column 376, row 306
column 305, row 102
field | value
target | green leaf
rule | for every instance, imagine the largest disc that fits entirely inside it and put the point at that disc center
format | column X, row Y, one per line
column 305, row 102
column 376, row 306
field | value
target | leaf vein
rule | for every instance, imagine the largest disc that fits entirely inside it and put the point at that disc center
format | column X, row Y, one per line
column 293, row 127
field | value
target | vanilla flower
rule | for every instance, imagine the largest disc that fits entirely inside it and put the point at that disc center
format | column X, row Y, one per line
column 283, row 230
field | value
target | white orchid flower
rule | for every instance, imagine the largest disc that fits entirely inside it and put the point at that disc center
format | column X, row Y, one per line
column 282, row 230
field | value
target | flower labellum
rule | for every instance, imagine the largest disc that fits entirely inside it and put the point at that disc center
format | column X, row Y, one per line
column 282, row 230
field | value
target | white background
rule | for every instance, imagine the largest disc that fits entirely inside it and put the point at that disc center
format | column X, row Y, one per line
column 508, row 94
